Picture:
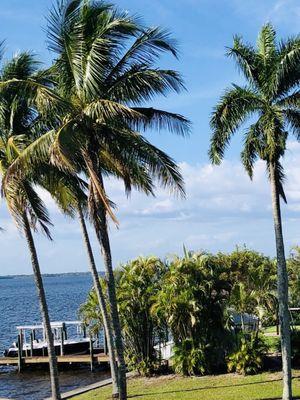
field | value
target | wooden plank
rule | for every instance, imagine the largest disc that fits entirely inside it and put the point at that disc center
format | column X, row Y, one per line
column 80, row 358
column 8, row 361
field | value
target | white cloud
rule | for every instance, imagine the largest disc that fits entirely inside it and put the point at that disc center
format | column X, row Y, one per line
column 223, row 208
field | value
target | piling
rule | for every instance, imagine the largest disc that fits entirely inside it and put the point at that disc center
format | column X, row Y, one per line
column 20, row 345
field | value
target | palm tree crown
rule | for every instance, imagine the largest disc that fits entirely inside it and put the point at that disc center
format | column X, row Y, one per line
column 270, row 101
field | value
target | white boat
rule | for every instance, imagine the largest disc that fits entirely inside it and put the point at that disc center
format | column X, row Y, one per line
column 32, row 340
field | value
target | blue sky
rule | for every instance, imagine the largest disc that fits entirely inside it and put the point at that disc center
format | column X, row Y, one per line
column 223, row 208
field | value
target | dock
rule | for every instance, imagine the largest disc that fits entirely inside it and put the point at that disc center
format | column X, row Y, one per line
column 65, row 359
column 81, row 350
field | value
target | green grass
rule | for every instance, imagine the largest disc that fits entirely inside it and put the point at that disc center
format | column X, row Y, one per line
column 266, row 386
column 273, row 343
column 272, row 329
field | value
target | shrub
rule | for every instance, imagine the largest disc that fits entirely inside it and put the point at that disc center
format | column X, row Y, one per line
column 138, row 283
column 145, row 367
column 193, row 301
column 188, row 359
column 248, row 359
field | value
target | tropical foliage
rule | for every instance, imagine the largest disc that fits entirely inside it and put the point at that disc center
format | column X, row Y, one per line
column 139, row 283
column 248, row 358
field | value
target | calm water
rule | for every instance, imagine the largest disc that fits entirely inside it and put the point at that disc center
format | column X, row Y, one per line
column 18, row 306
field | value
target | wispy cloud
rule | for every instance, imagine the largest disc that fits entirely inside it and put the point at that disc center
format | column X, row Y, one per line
column 223, row 208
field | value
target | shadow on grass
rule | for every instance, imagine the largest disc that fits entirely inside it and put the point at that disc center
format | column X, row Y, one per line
column 212, row 388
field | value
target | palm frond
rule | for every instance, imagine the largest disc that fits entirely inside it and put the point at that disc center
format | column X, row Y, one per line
column 160, row 119
column 22, row 66
column 292, row 116
column 237, row 104
column 266, row 44
column 67, row 146
column 251, row 148
column 160, row 167
column 104, row 110
column 143, row 84
column 288, row 75
column 66, row 189
column 145, row 50
column 246, row 59
column 280, row 178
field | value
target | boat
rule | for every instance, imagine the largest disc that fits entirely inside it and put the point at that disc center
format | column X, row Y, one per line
column 32, row 340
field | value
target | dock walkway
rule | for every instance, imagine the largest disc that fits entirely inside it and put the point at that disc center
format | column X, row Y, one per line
column 93, row 360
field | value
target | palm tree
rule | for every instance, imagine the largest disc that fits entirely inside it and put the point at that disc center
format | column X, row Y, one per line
column 98, row 79
column 271, row 101
column 105, row 64
column 18, row 122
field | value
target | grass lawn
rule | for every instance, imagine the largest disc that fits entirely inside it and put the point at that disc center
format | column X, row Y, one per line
column 272, row 329
column 266, row 386
column 273, row 343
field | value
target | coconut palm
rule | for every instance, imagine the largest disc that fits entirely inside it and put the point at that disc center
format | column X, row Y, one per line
column 105, row 65
column 99, row 74
column 271, row 103
column 18, row 122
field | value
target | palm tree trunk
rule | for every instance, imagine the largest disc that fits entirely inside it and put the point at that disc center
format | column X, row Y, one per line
column 98, row 191
column 112, row 298
column 44, row 310
column 101, row 300
column 282, row 277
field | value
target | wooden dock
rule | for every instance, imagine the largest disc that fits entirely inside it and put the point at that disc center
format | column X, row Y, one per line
column 69, row 359
column 65, row 359
column 28, row 354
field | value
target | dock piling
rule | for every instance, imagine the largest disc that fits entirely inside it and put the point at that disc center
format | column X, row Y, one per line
column 20, row 345
column 31, row 344
column 91, row 354
column 62, row 337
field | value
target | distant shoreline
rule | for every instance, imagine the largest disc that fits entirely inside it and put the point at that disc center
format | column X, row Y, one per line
column 48, row 275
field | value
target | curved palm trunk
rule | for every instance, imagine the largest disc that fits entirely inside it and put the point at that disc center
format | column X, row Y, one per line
column 282, row 276
column 98, row 191
column 112, row 298
column 101, row 300
column 44, row 310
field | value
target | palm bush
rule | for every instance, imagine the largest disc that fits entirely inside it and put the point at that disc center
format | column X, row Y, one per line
column 193, row 302
column 248, row 359
column 189, row 359
column 139, row 282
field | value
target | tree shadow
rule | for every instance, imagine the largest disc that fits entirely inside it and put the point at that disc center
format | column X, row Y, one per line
column 198, row 389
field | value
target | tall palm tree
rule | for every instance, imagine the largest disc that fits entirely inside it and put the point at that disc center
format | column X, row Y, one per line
column 271, row 102
column 18, row 121
column 99, row 74
column 106, row 64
